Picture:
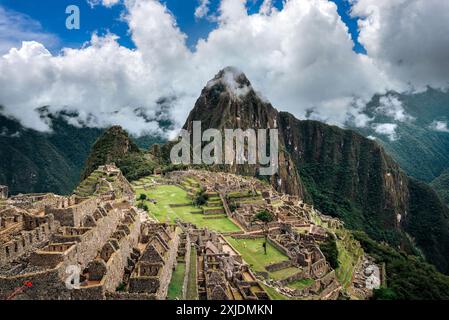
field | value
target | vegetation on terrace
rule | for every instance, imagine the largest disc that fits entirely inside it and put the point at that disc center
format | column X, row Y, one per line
column 252, row 252
column 177, row 282
column 192, row 290
column 167, row 203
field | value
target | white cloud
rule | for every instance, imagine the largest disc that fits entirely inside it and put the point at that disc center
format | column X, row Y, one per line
column 202, row 10
column 16, row 27
column 388, row 129
column 407, row 39
column 5, row 133
column 267, row 7
column 106, row 3
column 300, row 58
column 392, row 107
column 440, row 126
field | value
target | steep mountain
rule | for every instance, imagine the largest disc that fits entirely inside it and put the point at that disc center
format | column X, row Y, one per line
column 343, row 173
column 420, row 140
column 348, row 176
column 32, row 161
column 115, row 146
column 441, row 186
column 230, row 102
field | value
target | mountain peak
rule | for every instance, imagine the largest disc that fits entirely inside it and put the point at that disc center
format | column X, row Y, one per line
column 232, row 80
column 112, row 146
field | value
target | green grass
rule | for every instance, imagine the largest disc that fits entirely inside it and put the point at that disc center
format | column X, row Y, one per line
column 346, row 265
column 253, row 253
column 284, row 273
column 301, row 284
column 192, row 293
column 273, row 294
column 176, row 283
column 170, row 194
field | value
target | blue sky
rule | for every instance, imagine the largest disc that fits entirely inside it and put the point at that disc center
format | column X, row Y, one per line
column 51, row 15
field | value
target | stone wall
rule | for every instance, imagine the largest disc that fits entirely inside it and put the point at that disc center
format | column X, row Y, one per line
column 25, row 242
column 187, row 269
column 279, row 266
column 167, row 270
column 73, row 215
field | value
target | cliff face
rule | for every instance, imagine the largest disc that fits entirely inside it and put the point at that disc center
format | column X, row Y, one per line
column 348, row 175
column 229, row 102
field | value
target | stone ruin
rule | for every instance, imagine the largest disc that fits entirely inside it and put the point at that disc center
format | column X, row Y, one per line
column 97, row 247
column 222, row 274
column 293, row 232
column 95, row 244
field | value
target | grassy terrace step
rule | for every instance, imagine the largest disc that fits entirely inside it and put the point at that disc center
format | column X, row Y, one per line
column 192, row 290
column 177, row 282
column 284, row 273
column 214, row 203
column 253, row 253
column 213, row 210
column 241, row 195
column 301, row 284
column 273, row 294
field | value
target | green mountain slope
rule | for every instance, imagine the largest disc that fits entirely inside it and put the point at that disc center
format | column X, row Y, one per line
column 408, row 277
column 115, row 146
column 32, row 161
column 441, row 186
column 420, row 149
column 348, row 176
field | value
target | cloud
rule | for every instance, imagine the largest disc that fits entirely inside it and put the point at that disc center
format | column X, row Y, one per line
column 300, row 57
column 16, row 27
column 440, row 126
column 106, row 3
column 388, row 129
column 5, row 133
column 267, row 7
column 202, row 10
column 406, row 38
column 391, row 106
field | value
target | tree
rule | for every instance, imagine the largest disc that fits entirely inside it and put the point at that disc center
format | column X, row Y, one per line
column 330, row 250
column 265, row 217
column 143, row 197
column 200, row 198
column 384, row 294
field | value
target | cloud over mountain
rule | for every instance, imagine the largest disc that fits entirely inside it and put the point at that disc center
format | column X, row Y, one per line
column 300, row 58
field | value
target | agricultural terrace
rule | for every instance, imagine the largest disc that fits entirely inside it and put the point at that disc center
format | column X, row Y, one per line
column 166, row 203
column 253, row 253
